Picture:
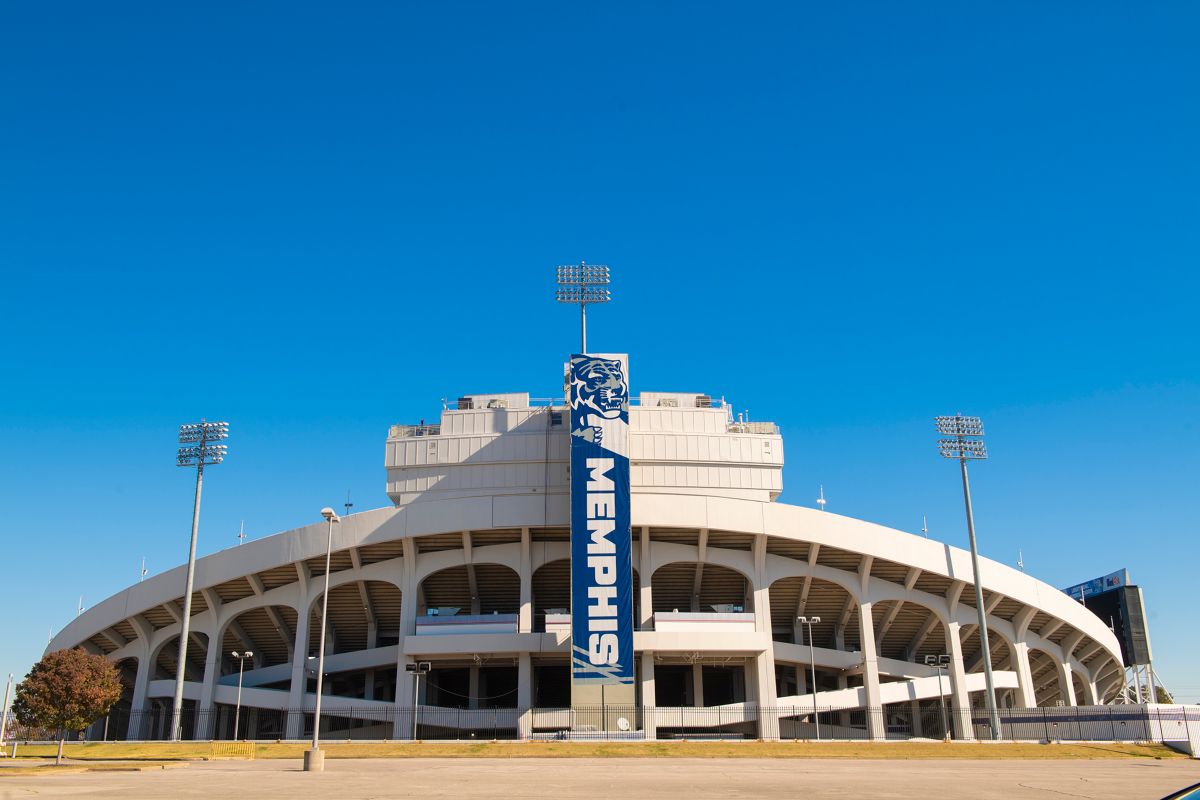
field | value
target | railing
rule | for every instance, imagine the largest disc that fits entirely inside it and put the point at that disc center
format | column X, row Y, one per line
column 410, row 431
column 466, row 623
column 768, row 428
column 616, row 722
column 407, row 431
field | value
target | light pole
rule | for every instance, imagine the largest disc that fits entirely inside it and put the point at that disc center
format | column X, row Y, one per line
column 583, row 284
column 418, row 669
column 812, row 662
column 237, row 714
column 941, row 661
column 4, row 712
column 967, row 445
column 314, row 759
column 198, row 452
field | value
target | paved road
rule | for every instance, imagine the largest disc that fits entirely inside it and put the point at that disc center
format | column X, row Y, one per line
column 676, row 779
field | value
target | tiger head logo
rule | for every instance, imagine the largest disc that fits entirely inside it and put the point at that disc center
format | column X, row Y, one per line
column 598, row 386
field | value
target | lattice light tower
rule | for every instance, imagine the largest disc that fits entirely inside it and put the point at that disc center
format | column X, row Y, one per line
column 199, row 451
column 966, row 445
column 583, row 284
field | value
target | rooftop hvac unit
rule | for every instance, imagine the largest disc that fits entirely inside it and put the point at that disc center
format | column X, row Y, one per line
column 464, row 403
column 497, row 402
column 703, row 401
column 668, row 402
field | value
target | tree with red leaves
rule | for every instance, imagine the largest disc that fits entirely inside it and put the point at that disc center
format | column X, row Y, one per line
column 67, row 691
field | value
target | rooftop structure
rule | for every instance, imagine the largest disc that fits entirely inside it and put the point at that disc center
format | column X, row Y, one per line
column 506, row 444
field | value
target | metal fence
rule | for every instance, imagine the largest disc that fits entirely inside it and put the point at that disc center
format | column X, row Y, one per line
column 615, row 723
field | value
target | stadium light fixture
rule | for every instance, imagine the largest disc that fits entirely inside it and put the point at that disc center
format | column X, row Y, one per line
column 237, row 714
column 812, row 662
column 313, row 760
column 969, row 449
column 967, row 445
column 583, row 284
column 958, row 425
column 941, row 661
column 199, row 452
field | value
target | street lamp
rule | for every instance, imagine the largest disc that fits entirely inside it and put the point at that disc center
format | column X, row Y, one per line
column 583, row 284
column 314, row 759
column 941, row 662
column 417, row 669
column 237, row 714
column 967, row 445
column 198, row 452
column 812, row 662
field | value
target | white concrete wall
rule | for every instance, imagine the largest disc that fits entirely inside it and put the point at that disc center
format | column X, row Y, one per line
column 752, row 642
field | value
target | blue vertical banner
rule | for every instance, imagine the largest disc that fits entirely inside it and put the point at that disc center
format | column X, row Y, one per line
column 601, row 559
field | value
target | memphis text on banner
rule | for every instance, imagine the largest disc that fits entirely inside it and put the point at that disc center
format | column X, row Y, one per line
column 601, row 564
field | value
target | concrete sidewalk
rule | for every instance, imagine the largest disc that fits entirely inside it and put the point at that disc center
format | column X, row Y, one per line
column 671, row 779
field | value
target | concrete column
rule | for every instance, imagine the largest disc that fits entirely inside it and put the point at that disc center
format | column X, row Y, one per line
column 525, row 614
column 372, row 633
column 1026, row 696
column 843, row 683
column 917, row 728
column 524, row 695
column 649, row 721
column 646, row 599
column 208, row 689
column 369, row 685
column 960, row 700
column 137, row 705
column 1066, row 686
column 648, row 698
column 765, row 696
column 761, row 590
column 764, row 663
column 801, row 679
column 866, row 628
column 402, row 726
column 408, row 589
column 299, row 686
column 473, row 688
column 697, row 685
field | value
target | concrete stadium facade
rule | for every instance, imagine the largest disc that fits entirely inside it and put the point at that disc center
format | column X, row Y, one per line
column 468, row 569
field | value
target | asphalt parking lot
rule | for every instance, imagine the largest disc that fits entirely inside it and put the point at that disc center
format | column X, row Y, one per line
column 677, row 779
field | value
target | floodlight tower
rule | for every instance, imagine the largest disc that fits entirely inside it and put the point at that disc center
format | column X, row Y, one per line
column 967, row 445
column 199, row 452
column 583, row 284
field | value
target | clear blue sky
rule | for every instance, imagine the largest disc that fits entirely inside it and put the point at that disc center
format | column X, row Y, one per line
column 314, row 221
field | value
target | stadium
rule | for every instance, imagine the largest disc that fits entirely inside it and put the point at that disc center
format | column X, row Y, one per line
column 468, row 574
